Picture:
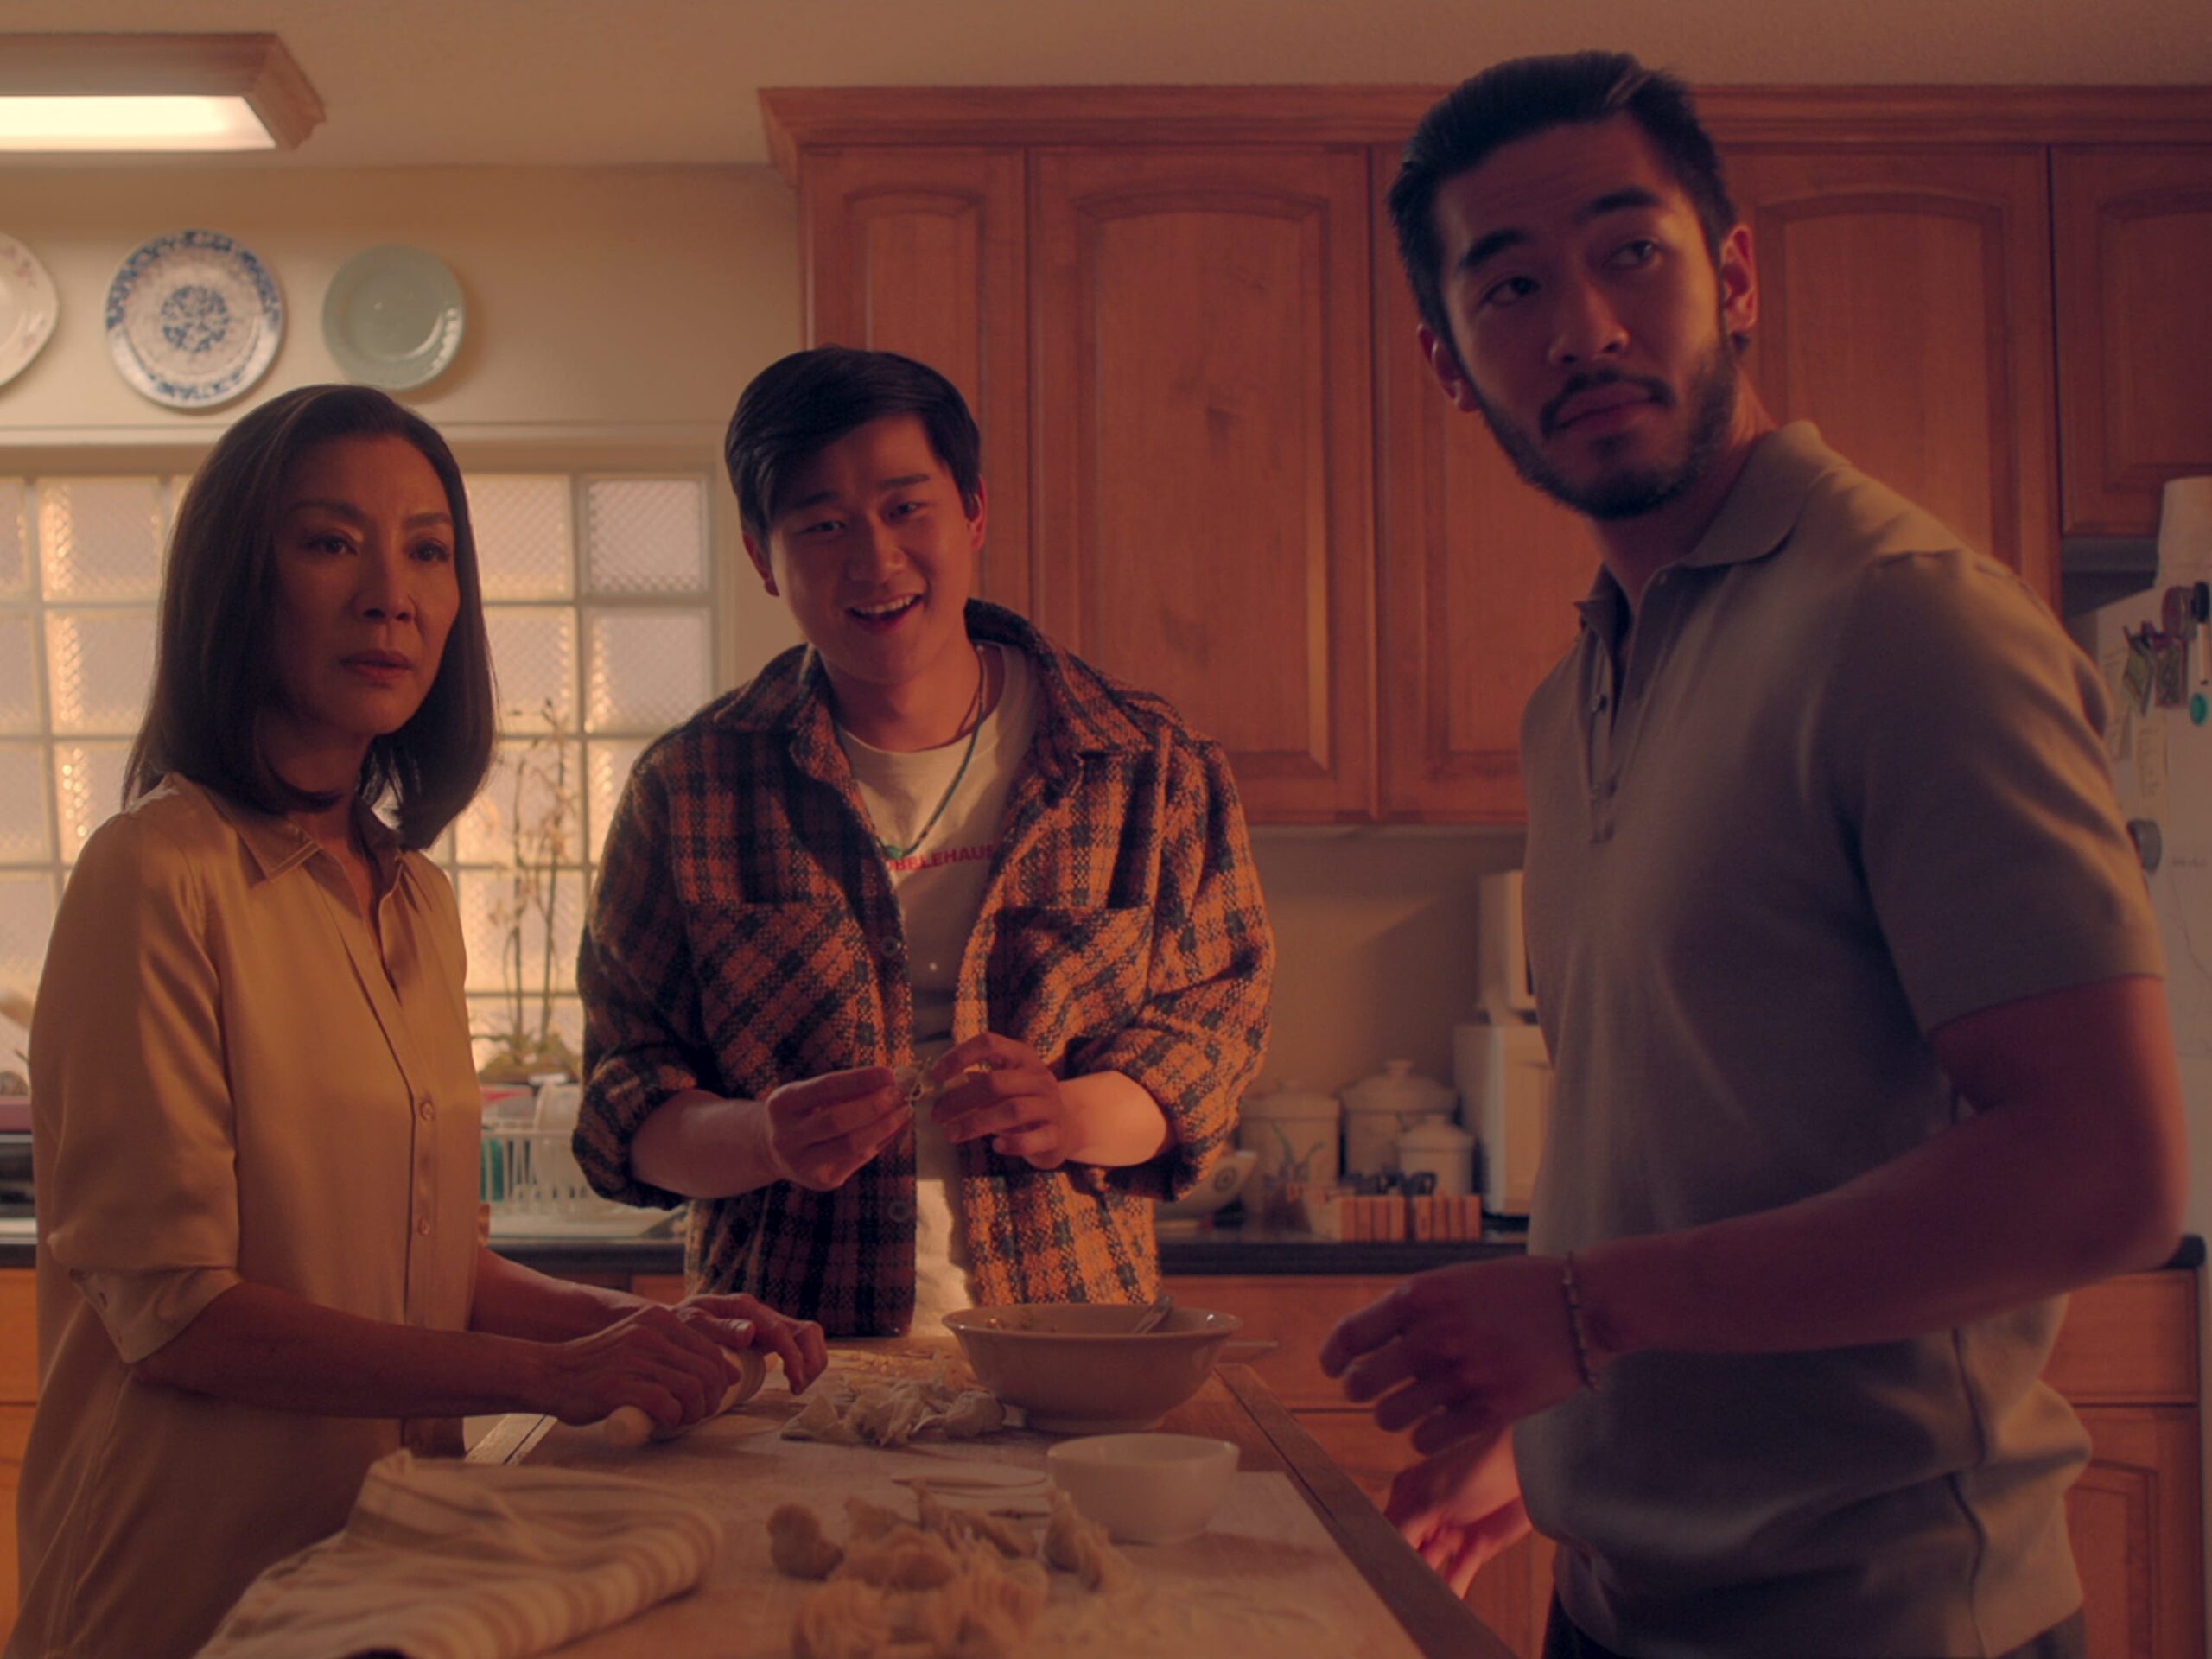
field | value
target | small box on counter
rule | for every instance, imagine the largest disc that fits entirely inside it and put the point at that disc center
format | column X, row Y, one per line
column 1392, row 1217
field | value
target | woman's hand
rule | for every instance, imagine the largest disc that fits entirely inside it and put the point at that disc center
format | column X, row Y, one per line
column 821, row 1130
column 1010, row 1095
column 797, row 1343
column 666, row 1363
column 1461, row 1508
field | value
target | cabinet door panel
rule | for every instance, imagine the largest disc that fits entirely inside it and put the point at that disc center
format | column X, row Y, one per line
column 15, row 1435
column 2133, row 1519
column 1293, row 1311
column 920, row 251
column 2134, row 241
column 1905, row 307
column 18, row 1336
column 1204, row 500
column 1479, row 579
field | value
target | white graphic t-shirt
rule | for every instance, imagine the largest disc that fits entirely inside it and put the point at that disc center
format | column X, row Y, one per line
column 939, row 887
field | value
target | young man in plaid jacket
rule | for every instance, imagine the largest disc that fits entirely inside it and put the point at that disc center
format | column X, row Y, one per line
column 925, row 837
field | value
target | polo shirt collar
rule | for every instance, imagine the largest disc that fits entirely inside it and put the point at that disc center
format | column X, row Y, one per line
column 1758, row 518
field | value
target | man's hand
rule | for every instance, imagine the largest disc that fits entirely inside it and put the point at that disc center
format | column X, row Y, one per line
column 1460, row 1353
column 1460, row 1509
column 725, row 1318
column 1011, row 1095
column 821, row 1130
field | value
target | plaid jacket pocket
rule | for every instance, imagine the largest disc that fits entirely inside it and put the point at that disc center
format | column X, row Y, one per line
column 1058, row 973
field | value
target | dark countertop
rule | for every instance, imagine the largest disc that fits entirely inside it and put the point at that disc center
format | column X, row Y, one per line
column 1222, row 1252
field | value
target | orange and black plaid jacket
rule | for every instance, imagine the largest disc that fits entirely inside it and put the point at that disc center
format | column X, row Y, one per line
column 743, row 934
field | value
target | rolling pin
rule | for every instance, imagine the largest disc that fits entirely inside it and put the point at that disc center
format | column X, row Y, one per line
column 626, row 1426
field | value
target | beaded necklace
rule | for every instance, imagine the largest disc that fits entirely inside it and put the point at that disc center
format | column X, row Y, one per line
column 974, row 728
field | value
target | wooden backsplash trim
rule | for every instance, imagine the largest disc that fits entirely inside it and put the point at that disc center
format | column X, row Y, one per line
column 809, row 117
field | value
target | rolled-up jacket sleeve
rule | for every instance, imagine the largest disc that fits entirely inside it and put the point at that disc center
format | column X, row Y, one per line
column 1203, row 1031
column 642, row 1044
column 138, row 1192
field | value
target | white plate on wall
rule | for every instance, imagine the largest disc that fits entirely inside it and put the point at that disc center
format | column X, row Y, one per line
column 392, row 316
column 193, row 319
column 27, row 307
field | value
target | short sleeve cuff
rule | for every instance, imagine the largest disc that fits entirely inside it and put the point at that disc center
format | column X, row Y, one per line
column 144, row 1311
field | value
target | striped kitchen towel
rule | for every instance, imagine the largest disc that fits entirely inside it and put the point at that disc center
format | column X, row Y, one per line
column 460, row 1560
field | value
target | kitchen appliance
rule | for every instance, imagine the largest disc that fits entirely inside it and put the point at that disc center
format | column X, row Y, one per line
column 2159, row 740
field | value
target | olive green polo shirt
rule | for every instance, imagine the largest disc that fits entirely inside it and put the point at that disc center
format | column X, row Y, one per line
column 1849, row 786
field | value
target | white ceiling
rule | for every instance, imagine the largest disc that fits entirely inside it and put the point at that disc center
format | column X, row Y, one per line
column 580, row 82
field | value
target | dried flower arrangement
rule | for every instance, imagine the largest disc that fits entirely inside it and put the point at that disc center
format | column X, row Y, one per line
column 538, row 820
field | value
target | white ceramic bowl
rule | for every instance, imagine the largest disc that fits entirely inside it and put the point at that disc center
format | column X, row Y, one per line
column 1074, row 1368
column 1222, row 1182
column 1145, row 1489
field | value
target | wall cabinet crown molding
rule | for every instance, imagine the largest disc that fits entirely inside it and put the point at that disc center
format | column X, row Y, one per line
column 799, row 119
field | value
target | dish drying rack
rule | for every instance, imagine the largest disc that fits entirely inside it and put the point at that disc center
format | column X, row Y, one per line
column 534, row 1188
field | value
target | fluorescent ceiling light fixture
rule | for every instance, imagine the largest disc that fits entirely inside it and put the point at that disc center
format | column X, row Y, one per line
column 89, row 122
column 116, row 94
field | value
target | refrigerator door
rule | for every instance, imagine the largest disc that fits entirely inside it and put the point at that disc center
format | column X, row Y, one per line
column 2162, row 772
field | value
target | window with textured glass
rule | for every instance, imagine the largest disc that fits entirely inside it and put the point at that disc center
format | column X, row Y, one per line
column 599, row 595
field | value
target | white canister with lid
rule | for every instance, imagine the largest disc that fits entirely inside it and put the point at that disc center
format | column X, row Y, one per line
column 1443, row 1149
column 1381, row 1107
column 1295, row 1130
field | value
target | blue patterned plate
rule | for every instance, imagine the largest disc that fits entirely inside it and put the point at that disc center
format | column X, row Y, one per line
column 392, row 317
column 193, row 319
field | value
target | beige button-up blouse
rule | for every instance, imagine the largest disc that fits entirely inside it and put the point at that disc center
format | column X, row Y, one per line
column 232, row 1079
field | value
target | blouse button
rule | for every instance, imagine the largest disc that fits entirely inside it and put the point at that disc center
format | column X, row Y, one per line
column 900, row 1211
column 427, row 1107
column 422, row 1227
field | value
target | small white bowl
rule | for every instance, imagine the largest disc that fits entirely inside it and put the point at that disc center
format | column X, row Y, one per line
column 1145, row 1489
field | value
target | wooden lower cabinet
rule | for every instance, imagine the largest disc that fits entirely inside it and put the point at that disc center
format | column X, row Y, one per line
column 2128, row 1360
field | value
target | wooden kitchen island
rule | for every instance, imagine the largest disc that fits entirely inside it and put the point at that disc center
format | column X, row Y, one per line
column 1412, row 1611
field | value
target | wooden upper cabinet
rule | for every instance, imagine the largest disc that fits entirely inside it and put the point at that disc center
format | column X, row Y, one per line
column 1905, row 308
column 1201, row 371
column 1479, row 577
column 921, row 251
column 2134, row 243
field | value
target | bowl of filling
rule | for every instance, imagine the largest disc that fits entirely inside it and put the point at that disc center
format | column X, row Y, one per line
column 1080, row 1368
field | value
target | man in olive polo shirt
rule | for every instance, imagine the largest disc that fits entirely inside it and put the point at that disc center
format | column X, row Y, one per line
column 1842, row 957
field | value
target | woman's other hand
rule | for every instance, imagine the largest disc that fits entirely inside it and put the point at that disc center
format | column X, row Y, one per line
column 739, row 1321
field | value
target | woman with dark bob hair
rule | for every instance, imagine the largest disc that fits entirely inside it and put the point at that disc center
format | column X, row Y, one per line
column 254, row 1112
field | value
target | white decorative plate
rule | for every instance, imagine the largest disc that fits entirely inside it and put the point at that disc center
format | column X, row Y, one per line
column 26, row 306
column 392, row 317
column 193, row 319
